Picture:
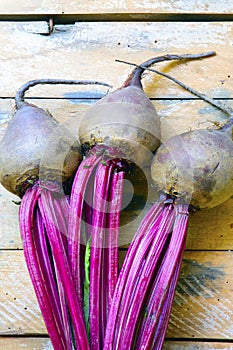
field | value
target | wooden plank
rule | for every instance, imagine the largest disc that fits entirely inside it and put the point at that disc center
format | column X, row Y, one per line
column 210, row 229
column 124, row 6
column 202, row 304
column 16, row 343
column 188, row 345
column 19, row 310
column 202, row 309
column 88, row 50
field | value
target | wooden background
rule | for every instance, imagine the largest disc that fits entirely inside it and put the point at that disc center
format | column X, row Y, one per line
column 86, row 39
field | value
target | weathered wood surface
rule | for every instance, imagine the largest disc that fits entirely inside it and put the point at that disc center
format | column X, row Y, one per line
column 185, row 345
column 122, row 6
column 203, row 304
column 88, row 50
column 17, row 343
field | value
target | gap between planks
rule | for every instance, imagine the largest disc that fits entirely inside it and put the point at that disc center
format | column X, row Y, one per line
column 119, row 17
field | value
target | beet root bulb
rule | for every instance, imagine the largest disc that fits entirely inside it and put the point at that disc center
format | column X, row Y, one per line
column 24, row 144
column 125, row 120
column 196, row 166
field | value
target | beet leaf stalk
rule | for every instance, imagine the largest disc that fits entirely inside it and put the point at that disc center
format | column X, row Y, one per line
column 97, row 292
column 33, row 136
column 43, row 214
column 108, row 189
column 154, row 218
column 75, row 233
column 113, row 232
column 134, row 297
column 149, row 283
column 158, row 308
column 115, row 124
column 62, row 209
column 40, row 268
column 59, row 252
column 99, row 180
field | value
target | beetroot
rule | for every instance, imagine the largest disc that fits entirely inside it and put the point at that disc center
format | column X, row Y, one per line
column 196, row 166
column 190, row 171
column 24, row 143
column 44, row 212
column 83, row 301
column 126, row 119
column 122, row 128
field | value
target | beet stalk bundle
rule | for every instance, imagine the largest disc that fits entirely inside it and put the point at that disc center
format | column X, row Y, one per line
column 123, row 127
column 191, row 171
column 51, row 222
column 44, row 210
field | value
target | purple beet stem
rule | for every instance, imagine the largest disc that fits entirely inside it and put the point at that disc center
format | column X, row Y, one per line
column 61, row 210
column 146, row 224
column 164, row 286
column 97, row 305
column 113, row 224
column 136, row 293
column 47, row 268
column 26, row 220
column 110, row 250
column 127, row 312
column 164, row 318
column 82, row 177
column 62, row 265
column 105, row 259
column 131, row 290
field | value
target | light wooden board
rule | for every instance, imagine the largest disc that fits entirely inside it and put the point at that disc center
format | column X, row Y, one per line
column 15, row 343
column 19, row 310
column 203, row 305
column 184, row 345
column 88, row 51
column 123, row 6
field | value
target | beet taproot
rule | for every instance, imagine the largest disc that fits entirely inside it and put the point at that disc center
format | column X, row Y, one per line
column 196, row 166
column 126, row 118
column 26, row 140
column 145, row 289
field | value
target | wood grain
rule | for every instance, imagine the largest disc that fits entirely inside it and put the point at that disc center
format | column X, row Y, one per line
column 19, row 310
column 104, row 6
column 202, row 313
column 189, row 345
column 88, row 51
column 21, row 343
column 203, row 305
